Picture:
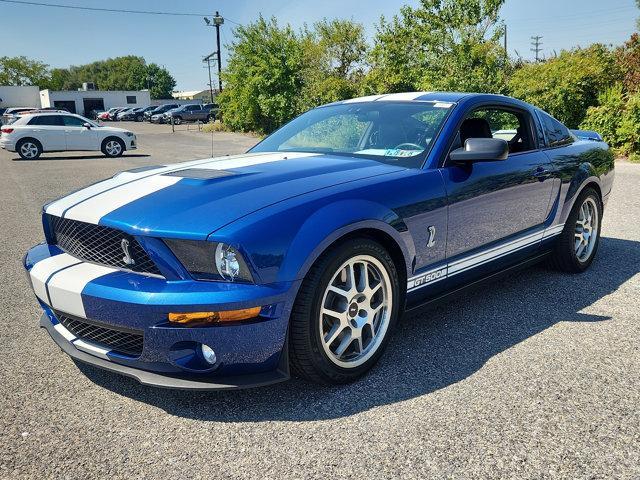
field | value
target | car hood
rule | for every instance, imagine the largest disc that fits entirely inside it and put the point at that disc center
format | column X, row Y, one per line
column 112, row 129
column 194, row 199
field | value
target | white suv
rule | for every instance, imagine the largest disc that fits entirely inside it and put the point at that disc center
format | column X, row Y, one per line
column 35, row 133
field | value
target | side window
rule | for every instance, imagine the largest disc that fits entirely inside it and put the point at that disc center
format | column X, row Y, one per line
column 70, row 121
column 557, row 134
column 47, row 120
column 131, row 99
column 510, row 125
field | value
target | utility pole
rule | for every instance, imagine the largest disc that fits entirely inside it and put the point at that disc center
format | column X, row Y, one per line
column 505, row 40
column 535, row 43
column 208, row 60
column 218, row 21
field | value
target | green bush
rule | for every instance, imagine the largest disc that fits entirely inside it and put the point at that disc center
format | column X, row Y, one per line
column 629, row 129
column 606, row 117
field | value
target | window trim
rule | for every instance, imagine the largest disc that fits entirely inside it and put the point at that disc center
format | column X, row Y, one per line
column 547, row 145
column 135, row 99
column 444, row 163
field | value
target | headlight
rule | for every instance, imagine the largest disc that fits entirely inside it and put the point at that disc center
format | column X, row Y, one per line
column 210, row 260
column 128, row 134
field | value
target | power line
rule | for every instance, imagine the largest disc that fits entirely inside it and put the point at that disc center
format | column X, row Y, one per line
column 98, row 9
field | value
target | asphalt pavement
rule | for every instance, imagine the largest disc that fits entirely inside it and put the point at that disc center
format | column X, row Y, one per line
column 534, row 376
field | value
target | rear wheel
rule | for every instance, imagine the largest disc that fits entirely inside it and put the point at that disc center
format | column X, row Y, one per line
column 29, row 148
column 113, row 147
column 578, row 243
column 344, row 313
column 177, row 120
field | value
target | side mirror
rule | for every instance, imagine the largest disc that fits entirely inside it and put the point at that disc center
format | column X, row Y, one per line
column 481, row 150
column 87, row 125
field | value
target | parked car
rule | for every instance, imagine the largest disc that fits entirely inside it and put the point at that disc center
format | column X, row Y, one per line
column 35, row 133
column 190, row 113
column 139, row 116
column 304, row 252
column 121, row 114
column 11, row 114
column 162, row 117
column 105, row 116
column 159, row 110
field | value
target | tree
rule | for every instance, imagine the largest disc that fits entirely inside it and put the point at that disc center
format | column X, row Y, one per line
column 120, row 73
column 440, row 45
column 22, row 71
column 628, row 61
column 159, row 81
column 334, row 59
column 264, row 77
column 566, row 86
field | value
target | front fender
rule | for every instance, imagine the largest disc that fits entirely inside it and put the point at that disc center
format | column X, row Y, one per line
column 336, row 220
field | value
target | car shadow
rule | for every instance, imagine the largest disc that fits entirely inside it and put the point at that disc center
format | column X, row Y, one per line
column 430, row 351
column 79, row 157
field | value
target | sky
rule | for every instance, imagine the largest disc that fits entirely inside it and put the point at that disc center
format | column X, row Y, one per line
column 62, row 37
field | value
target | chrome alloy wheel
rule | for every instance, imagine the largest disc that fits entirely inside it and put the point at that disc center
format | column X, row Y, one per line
column 355, row 311
column 113, row 147
column 29, row 150
column 586, row 232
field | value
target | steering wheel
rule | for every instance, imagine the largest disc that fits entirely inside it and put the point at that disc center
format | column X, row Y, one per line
column 414, row 146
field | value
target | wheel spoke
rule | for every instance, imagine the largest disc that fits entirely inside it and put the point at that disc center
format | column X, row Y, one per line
column 344, row 344
column 335, row 331
column 338, row 291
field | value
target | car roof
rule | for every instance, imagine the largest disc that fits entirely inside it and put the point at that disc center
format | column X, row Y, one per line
column 410, row 96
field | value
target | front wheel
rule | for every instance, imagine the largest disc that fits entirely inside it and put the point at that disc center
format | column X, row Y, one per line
column 344, row 314
column 578, row 243
column 113, row 147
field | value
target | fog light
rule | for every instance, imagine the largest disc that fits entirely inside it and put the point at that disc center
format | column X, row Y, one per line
column 208, row 354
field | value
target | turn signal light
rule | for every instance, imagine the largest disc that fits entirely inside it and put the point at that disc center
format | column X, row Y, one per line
column 209, row 318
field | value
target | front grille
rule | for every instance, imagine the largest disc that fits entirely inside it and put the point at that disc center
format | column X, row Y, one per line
column 98, row 244
column 128, row 342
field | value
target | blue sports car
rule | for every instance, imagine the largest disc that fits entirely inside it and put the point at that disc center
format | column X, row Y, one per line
column 301, row 255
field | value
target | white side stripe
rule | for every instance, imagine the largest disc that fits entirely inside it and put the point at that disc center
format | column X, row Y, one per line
column 42, row 270
column 66, row 286
column 480, row 258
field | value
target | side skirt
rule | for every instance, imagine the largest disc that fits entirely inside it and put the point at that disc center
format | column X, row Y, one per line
column 449, row 295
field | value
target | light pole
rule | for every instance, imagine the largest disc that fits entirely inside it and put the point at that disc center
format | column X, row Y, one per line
column 218, row 21
column 208, row 60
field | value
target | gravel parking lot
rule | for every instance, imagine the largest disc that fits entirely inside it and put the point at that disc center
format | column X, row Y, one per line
column 536, row 376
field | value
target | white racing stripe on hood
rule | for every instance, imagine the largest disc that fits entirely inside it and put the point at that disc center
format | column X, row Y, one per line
column 248, row 161
column 58, row 207
column 96, row 207
column 65, row 287
column 42, row 270
column 93, row 209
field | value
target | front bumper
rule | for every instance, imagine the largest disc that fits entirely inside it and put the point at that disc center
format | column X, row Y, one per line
column 248, row 354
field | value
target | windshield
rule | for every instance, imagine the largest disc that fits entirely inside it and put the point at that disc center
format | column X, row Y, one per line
column 399, row 133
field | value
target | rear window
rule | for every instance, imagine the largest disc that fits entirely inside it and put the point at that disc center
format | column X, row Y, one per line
column 557, row 134
column 49, row 120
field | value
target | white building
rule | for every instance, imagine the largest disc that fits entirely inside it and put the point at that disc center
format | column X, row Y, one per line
column 83, row 101
column 12, row 96
column 202, row 95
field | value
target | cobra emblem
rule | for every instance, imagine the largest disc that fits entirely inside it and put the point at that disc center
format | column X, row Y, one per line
column 127, row 259
column 432, row 236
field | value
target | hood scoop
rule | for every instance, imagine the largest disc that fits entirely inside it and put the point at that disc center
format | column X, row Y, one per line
column 200, row 173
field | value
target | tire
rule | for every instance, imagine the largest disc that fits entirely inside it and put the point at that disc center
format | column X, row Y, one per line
column 177, row 120
column 569, row 256
column 112, row 147
column 29, row 148
column 365, row 322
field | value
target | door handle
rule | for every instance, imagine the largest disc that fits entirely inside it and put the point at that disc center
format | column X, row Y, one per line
column 541, row 173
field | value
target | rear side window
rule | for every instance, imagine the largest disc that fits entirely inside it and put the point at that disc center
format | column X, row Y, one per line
column 70, row 121
column 50, row 120
column 557, row 134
